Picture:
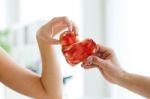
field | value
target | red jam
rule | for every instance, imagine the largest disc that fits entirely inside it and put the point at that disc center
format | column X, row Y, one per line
column 74, row 50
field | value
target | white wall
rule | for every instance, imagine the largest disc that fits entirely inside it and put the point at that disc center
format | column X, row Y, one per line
column 2, row 14
column 128, row 33
column 12, row 12
column 93, row 26
column 2, row 96
column 2, row 26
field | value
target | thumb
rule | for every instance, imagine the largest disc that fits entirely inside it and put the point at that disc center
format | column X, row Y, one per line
column 98, row 61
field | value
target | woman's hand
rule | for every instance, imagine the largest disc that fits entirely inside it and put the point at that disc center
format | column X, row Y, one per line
column 51, row 77
column 106, row 62
column 53, row 27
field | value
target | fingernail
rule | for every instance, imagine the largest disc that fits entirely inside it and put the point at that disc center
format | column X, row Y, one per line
column 82, row 65
column 90, row 58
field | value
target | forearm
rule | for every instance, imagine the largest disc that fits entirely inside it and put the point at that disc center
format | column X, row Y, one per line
column 51, row 77
column 20, row 79
column 136, row 83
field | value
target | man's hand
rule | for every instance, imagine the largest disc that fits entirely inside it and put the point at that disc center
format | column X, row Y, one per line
column 105, row 60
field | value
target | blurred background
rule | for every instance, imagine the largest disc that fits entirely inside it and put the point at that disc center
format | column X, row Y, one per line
column 123, row 25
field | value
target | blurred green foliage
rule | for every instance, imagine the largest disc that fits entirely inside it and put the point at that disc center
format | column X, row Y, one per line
column 4, row 35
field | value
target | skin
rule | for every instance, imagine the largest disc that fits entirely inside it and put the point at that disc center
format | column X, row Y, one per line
column 49, row 84
column 105, row 60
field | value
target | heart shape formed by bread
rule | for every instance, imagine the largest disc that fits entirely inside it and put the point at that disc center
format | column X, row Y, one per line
column 76, row 51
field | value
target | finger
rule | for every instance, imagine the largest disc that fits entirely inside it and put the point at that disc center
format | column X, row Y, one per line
column 87, row 61
column 61, row 21
column 97, row 48
column 58, row 30
column 74, row 28
column 98, row 61
column 68, row 23
column 98, row 54
column 102, row 48
column 105, row 55
column 84, row 64
column 88, row 66
column 104, row 52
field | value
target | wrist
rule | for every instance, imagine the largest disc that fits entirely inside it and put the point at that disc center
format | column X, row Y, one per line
column 40, row 37
column 45, row 38
column 42, row 42
column 123, row 78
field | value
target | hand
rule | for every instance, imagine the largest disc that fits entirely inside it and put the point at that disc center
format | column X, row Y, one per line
column 105, row 60
column 53, row 27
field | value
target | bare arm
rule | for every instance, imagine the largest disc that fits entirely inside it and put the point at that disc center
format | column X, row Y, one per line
column 136, row 83
column 19, row 78
column 49, row 85
column 106, row 61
